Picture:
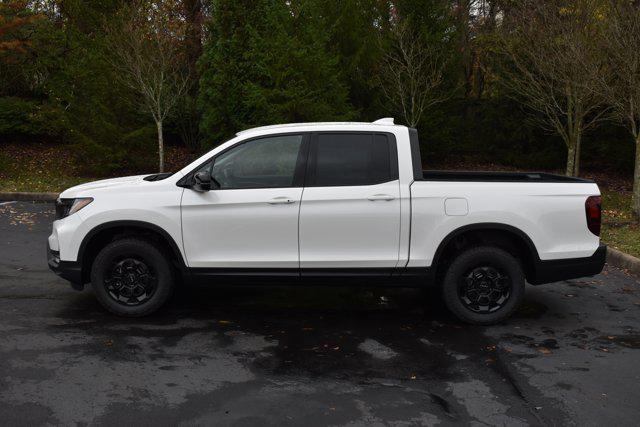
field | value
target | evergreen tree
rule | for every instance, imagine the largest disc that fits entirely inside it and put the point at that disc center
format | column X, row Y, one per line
column 354, row 29
column 263, row 64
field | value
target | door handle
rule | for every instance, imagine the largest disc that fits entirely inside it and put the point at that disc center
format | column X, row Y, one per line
column 281, row 201
column 386, row 197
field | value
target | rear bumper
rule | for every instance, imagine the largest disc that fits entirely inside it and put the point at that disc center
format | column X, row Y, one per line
column 68, row 270
column 570, row 268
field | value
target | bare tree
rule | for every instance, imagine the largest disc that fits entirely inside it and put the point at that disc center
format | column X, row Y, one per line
column 553, row 64
column 147, row 54
column 412, row 73
column 621, row 83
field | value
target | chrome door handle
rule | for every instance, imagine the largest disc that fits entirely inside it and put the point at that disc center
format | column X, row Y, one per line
column 281, row 201
column 386, row 197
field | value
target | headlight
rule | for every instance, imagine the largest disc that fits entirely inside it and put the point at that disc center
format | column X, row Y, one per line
column 66, row 207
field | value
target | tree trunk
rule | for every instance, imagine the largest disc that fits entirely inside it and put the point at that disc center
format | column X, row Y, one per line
column 636, row 181
column 574, row 145
column 160, row 147
column 576, row 163
column 571, row 159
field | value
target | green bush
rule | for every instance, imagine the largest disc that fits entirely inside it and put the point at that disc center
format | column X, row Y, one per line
column 5, row 163
column 22, row 118
column 141, row 148
column 134, row 152
column 93, row 158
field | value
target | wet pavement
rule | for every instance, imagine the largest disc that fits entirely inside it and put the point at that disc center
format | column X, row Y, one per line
column 312, row 356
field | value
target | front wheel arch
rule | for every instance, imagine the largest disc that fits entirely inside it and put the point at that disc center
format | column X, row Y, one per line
column 103, row 234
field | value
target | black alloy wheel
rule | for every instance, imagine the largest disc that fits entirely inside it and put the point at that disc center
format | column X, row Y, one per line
column 130, row 281
column 485, row 289
column 483, row 285
column 132, row 277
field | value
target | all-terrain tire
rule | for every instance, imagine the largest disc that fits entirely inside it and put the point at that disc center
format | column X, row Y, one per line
column 476, row 277
column 125, row 268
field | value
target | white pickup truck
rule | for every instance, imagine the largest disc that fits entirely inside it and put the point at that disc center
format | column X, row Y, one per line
column 327, row 203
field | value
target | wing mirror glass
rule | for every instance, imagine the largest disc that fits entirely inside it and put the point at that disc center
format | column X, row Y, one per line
column 202, row 181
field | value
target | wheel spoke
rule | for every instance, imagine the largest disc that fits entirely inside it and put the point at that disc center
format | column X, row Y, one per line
column 130, row 281
column 484, row 289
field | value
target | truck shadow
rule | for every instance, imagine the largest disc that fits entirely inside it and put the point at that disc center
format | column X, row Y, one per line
column 335, row 332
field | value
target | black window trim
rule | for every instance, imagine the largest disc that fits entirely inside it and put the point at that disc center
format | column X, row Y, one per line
column 304, row 175
column 299, row 172
column 310, row 180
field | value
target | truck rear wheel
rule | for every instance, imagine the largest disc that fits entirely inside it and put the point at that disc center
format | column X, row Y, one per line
column 131, row 277
column 483, row 285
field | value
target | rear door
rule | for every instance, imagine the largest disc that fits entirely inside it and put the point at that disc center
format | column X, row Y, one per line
column 350, row 209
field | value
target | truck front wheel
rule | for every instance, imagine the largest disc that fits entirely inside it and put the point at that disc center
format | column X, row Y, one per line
column 483, row 285
column 131, row 277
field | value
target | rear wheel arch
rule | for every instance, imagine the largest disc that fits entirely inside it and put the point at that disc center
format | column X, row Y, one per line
column 503, row 236
column 105, row 233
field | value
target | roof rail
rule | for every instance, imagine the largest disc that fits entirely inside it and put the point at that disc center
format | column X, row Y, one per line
column 388, row 121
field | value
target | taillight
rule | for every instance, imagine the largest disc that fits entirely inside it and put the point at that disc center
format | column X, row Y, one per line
column 593, row 208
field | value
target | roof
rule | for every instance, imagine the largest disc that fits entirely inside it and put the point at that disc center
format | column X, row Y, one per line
column 388, row 121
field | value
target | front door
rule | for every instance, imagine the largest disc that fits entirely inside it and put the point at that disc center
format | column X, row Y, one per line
column 350, row 211
column 251, row 220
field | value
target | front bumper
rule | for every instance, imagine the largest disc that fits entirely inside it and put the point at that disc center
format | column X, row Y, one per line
column 68, row 270
column 571, row 268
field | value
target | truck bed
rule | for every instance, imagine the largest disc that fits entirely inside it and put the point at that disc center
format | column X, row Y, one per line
column 462, row 176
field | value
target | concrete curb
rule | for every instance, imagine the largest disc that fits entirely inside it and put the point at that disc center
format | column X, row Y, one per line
column 28, row 197
column 624, row 261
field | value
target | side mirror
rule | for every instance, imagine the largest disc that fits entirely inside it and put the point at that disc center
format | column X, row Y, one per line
column 202, row 181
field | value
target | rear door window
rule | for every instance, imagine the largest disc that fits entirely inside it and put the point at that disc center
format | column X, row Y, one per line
column 353, row 159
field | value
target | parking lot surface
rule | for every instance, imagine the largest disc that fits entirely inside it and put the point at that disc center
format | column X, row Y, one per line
column 314, row 356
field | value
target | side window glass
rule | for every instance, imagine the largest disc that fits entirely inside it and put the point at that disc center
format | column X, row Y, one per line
column 205, row 168
column 268, row 162
column 351, row 159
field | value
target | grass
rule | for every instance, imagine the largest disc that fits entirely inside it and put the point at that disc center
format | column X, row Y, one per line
column 39, row 167
column 619, row 227
column 46, row 177
column 41, row 184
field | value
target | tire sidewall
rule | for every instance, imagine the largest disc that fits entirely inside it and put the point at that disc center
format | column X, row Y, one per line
column 153, row 257
column 476, row 257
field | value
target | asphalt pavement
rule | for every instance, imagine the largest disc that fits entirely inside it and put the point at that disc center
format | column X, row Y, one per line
column 307, row 356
